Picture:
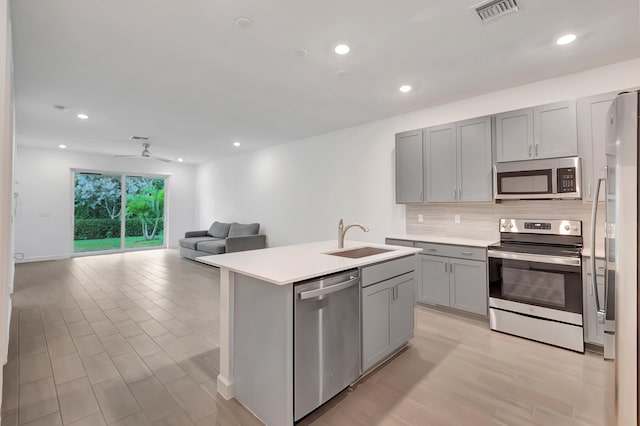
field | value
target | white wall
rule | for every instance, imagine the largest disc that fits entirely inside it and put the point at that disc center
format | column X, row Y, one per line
column 300, row 189
column 6, row 181
column 45, row 203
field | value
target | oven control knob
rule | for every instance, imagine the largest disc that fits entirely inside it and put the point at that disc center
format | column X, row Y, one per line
column 504, row 225
column 575, row 228
column 510, row 225
column 567, row 228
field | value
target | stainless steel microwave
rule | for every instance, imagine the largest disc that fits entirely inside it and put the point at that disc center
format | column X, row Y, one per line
column 557, row 178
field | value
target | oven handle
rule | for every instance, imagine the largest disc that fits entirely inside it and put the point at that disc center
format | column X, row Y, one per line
column 592, row 260
column 540, row 258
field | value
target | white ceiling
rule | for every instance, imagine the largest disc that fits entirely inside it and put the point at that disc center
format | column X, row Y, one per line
column 182, row 73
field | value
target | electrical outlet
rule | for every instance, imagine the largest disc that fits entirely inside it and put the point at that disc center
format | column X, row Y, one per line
column 456, row 218
column 420, row 218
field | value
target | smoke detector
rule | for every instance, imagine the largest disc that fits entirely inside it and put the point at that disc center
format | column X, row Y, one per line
column 492, row 9
column 139, row 138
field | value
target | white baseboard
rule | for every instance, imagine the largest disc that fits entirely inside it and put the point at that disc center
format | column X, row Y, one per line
column 43, row 258
column 226, row 388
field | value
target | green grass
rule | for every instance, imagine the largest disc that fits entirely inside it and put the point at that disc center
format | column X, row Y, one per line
column 114, row 243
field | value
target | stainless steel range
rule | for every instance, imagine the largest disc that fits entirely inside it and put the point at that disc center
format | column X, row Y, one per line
column 535, row 281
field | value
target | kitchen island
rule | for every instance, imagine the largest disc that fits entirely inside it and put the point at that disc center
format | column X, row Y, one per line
column 257, row 315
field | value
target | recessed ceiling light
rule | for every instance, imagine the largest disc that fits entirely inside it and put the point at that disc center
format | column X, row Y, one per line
column 180, row 160
column 342, row 49
column 82, row 116
column 236, row 144
column 244, row 23
column 405, row 88
column 300, row 52
column 566, row 39
column 61, row 146
column 60, row 107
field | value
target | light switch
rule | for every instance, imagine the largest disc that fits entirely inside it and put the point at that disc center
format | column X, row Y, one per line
column 420, row 218
column 456, row 218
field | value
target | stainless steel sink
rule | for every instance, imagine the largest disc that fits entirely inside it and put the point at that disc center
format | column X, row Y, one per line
column 359, row 252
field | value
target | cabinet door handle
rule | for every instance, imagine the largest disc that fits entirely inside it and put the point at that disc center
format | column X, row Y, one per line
column 466, row 253
column 454, row 194
column 536, row 150
column 589, row 189
column 450, row 268
column 530, row 146
column 432, row 250
column 395, row 292
column 459, row 193
column 445, row 267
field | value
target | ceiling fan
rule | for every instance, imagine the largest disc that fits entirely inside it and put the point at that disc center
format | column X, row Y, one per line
column 146, row 154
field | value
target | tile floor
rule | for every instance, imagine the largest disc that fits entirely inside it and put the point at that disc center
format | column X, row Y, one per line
column 122, row 339
column 131, row 339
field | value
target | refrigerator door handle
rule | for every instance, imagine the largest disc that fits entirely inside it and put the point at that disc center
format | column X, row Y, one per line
column 592, row 260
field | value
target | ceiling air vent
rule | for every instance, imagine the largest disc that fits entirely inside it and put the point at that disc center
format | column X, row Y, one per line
column 139, row 138
column 493, row 9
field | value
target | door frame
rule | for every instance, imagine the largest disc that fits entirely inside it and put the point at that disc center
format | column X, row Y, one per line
column 123, row 175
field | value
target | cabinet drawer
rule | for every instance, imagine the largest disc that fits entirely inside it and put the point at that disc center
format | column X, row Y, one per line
column 395, row 242
column 383, row 271
column 459, row 252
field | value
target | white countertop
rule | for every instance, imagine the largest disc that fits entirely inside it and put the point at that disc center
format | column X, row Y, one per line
column 586, row 252
column 289, row 264
column 458, row 241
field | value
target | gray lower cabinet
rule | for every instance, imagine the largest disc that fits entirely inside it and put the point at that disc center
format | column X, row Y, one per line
column 387, row 317
column 453, row 282
column 409, row 175
column 468, row 286
column 593, row 331
column 592, row 121
column 433, row 273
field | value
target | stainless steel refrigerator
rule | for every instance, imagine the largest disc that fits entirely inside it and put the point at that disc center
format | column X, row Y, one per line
column 618, row 310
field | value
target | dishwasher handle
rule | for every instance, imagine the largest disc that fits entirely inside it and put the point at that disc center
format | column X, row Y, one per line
column 328, row 290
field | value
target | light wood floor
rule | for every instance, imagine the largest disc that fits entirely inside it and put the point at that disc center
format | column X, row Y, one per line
column 132, row 339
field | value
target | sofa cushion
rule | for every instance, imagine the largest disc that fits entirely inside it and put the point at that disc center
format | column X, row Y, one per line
column 192, row 242
column 219, row 230
column 213, row 247
column 241, row 229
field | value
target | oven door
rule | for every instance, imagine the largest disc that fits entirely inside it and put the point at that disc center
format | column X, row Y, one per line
column 536, row 285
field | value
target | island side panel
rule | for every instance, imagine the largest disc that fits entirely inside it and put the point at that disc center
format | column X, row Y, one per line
column 263, row 348
column 225, row 377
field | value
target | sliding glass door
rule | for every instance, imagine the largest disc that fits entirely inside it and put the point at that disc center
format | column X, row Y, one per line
column 115, row 212
column 145, row 212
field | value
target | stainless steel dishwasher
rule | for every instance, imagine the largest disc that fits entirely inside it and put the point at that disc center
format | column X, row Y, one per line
column 327, row 339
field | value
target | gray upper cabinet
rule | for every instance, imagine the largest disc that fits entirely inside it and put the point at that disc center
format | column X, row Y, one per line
column 554, row 131
column 514, row 135
column 409, row 176
column 592, row 120
column 474, row 160
column 468, row 291
column 440, row 163
column 457, row 161
column 546, row 131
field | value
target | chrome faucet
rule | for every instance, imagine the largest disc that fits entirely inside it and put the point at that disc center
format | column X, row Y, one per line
column 342, row 230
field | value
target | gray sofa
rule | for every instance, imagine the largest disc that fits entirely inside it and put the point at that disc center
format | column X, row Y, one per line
column 222, row 238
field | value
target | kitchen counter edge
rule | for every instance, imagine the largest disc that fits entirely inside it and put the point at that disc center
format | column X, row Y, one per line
column 306, row 261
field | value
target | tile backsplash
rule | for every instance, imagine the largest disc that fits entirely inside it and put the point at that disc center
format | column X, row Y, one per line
column 480, row 220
